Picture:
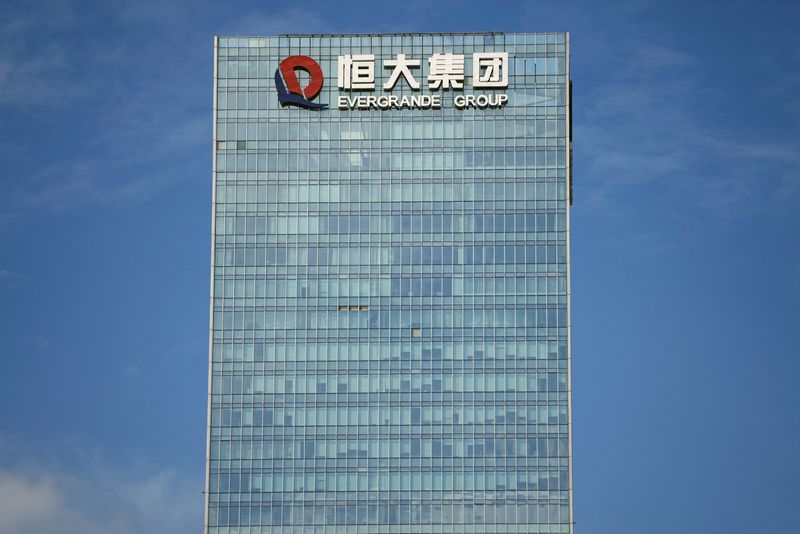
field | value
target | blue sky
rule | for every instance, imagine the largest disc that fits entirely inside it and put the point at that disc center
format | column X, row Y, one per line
column 686, row 257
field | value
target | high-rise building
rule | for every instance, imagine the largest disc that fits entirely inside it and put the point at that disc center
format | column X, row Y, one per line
column 390, row 336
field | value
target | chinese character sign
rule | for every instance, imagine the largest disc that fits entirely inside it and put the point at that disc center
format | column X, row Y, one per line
column 445, row 71
column 356, row 71
column 401, row 66
column 490, row 69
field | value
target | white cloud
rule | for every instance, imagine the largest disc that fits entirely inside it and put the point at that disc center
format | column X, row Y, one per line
column 48, row 502
column 39, row 505
column 74, row 489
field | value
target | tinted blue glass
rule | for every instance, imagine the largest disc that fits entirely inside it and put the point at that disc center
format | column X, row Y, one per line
column 390, row 336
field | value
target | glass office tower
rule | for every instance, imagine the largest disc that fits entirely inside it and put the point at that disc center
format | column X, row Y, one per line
column 390, row 339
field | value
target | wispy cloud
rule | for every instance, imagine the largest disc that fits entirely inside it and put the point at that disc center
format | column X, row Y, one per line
column 120, row 174
column 138, row 109
column 794, row 280
column 653, row 124
column 125, row 116
column 42, row 343
column 27, row 77
column 10, row 280
column 781, row 57
column 267, row 21
column 132, row 370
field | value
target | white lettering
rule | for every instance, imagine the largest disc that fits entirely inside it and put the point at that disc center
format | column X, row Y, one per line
column 446, row 71
column 402, row 66
column 356, row 71
column 495, row 69
column 480, row 101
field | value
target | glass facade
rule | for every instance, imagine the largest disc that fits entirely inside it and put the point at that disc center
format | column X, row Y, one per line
column 390, row 295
